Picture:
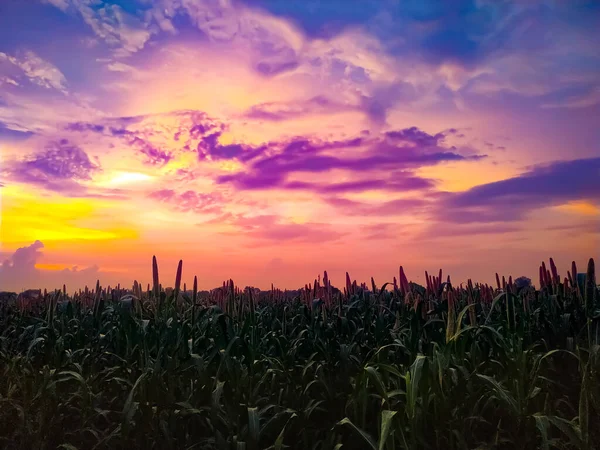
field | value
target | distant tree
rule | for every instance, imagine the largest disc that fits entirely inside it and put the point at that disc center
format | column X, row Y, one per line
column 522, row 283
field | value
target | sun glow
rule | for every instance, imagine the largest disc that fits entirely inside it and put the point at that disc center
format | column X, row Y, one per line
column 129, row 177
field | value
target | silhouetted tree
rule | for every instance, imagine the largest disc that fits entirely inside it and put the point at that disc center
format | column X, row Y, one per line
column 522, row 283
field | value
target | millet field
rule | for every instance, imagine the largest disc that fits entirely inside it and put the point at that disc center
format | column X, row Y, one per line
column 373, row 366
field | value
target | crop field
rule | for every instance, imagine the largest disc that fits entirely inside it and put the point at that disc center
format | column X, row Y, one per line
column 370, row 366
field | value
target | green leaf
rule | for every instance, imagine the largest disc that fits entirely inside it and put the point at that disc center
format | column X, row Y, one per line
column 130, row 407
column 376, row 379
column 461, row 316
column 412, row 382
column 386, row 425
column 279, row 441
column 254, row 424
column 216, row 395
column 542, row 424
column 501, row 393
column 366, row 437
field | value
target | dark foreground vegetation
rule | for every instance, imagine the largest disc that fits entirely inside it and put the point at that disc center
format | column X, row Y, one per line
column 379, row 367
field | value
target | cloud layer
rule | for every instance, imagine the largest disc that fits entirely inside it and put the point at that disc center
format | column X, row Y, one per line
column 426, row 133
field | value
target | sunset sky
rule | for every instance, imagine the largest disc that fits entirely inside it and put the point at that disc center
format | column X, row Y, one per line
column 269, row 140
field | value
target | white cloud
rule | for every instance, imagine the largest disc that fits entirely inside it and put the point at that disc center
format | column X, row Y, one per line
column 8, row 80
column 37, row 70
column 120, row 30
column 60, row 4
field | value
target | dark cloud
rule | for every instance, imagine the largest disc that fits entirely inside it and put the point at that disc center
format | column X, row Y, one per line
column 401, row 151
column 270, row 68
column 541, row 186
column 323, row 19
column 9, row 135
column 84, row 126
column 397, row 182
column 210, row 148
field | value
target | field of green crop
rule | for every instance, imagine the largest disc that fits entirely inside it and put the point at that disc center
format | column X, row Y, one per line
column 393, row 366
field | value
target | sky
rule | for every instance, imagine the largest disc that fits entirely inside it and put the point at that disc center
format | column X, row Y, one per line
column 267, row 141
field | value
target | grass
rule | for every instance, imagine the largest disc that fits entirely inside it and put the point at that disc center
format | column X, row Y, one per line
column 397, row 366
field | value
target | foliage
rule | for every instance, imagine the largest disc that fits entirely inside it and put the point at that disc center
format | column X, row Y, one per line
column 412, row 367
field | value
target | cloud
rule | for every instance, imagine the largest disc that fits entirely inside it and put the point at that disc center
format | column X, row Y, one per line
column 10, row 135
column 60, row 167
column 271, row 228
column 280, row 111
column 60, row 4
column 124, row 32
column 273, row 43
column 397, row 182
column 158, row 138
column 446, row 229
column 153, row 155
column 189, row 201
column 19, row 272
column 402, row 150
column 23, row 259
column 586, row 100
column 381, row 231
column 513, row 198
column 209, row 148
column 35, row 69
column 386, row 208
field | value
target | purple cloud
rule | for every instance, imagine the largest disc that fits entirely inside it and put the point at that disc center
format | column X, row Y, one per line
column 24, row 258
column 541, row 186
column 195, row 131
column 381, row 100
column 388, row 208
column 417, row 137
column 19, row 272
column 154, row 155
column 270, row 68
column 60, row 160
column 380, row 231
column 403, row 183
column 209, row 147
column 138, row 140
column 397, row 182
column 85, row 126
column 449, row 229
column 60, row 167
column 265, row 228
column 406, row 149
column 280, row 111
column 189, row 201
